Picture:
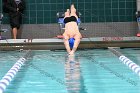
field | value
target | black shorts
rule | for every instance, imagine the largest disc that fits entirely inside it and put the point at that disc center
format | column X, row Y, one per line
column 15, row 20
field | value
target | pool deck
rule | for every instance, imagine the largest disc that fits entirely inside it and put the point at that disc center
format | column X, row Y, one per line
column 55, row 43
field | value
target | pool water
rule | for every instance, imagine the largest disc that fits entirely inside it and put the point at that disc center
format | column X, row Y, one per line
column 7, row 59
column 89, row 71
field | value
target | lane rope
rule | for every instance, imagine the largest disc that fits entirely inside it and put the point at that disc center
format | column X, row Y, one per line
column 132, row 65
column 5, row 81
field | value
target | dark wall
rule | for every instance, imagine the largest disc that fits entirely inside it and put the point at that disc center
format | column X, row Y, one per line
column 44, row 11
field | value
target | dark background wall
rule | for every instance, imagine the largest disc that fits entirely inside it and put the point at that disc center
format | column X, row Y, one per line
column 44, row 11
column 100, row 17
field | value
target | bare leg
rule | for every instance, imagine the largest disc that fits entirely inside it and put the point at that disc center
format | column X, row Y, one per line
column 66, row 43
column 66, row 37
column 14, row 33
column 0, row 36
column 19, row 34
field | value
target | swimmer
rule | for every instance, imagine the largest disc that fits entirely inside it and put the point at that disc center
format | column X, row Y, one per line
column 71, row 30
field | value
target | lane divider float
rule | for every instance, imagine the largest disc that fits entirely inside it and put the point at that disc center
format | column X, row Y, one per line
column 130, row 64
column 5, row 81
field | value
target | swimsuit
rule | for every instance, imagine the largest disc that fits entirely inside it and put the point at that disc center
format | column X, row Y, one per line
column 70, row 19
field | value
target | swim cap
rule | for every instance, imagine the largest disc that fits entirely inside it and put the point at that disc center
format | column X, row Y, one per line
column 71, row 42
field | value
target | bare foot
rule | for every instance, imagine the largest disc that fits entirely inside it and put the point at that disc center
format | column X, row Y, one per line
column 71, row 53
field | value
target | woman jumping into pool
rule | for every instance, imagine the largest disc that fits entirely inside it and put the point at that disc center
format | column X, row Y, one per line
column 71, row 30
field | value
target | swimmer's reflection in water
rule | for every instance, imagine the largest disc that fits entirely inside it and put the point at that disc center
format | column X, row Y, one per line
column 72, row 75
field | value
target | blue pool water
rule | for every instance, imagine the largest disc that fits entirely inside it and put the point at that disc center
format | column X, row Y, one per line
column 7, row 59
column 89, row 71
